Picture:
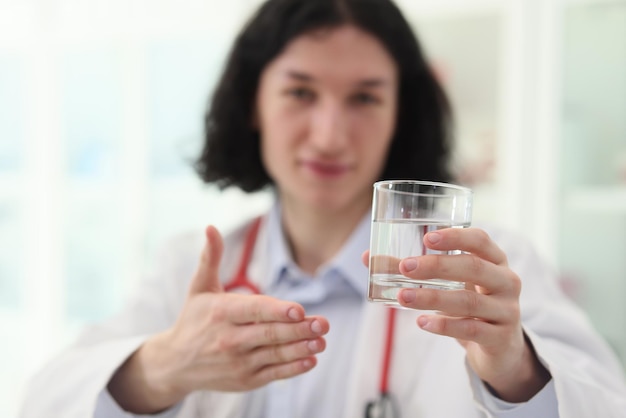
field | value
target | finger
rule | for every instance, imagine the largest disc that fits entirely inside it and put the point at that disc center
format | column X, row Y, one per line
column 459, row 303
column 206, row 278
column 384, row 264
column 283, row 371
column 472, row 240
column 462, row 267
column 468, row 329
column 246, row 309
column 283, row 353
column 273, row 333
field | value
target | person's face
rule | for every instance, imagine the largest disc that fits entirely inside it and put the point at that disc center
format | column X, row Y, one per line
column 326, row 111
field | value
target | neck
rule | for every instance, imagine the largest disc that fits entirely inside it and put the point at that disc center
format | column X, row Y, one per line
column 316, row 235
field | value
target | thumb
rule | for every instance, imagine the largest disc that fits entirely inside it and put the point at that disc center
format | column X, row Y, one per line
column 206, row 278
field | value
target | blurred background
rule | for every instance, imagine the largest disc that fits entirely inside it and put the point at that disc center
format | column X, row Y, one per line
column 101, row 105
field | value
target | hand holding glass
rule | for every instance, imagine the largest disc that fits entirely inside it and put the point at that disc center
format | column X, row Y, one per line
column 403, row 211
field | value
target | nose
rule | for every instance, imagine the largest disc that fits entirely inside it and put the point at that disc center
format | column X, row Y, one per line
column 329, row 127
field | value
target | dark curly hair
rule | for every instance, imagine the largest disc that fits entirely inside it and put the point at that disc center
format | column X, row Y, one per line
column 231, row 152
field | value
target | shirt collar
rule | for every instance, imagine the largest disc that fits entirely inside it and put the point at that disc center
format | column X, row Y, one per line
column 347, row 262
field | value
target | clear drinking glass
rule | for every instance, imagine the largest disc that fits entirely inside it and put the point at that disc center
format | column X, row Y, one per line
column 403, row 211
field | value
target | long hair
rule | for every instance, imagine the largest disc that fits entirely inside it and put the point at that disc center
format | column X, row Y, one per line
column 421, row 143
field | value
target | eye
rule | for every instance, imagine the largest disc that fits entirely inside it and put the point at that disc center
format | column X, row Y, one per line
column 301, row 93
column 364, row 98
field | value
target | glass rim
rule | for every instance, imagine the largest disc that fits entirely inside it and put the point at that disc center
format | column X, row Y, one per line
column 380, row 184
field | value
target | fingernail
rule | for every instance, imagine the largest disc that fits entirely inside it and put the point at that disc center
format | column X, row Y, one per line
column 407, row 296
column 307, row 363
column 316, row 327
column 423, row 322
column 313, row 346
column 410, row 264
column 433, row 237
column 294, row 314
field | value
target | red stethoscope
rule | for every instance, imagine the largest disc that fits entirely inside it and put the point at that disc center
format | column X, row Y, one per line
column 384, row 406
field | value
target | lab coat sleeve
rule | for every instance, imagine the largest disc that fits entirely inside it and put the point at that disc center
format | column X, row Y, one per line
column 544, row 404
column 588, row 379
column 70, row 384
column 106, row 407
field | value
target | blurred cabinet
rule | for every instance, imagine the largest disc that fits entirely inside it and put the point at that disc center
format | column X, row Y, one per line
column 539, row 94
column 592, row 221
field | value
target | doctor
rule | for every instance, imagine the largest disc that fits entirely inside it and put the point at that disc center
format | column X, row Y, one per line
column 319, row 99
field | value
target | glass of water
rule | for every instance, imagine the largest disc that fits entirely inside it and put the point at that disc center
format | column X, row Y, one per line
column 403, row 211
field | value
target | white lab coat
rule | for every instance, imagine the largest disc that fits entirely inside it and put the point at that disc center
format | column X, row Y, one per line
column 428, row 372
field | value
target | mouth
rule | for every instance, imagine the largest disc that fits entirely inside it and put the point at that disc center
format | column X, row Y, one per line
column 325, row 169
